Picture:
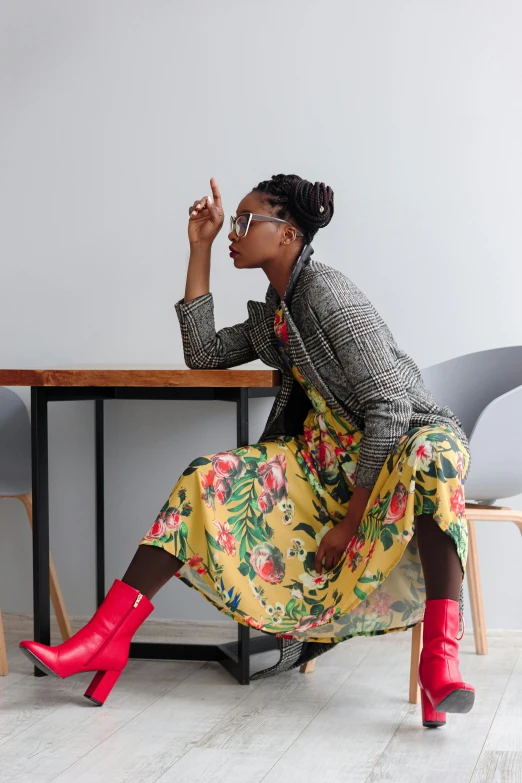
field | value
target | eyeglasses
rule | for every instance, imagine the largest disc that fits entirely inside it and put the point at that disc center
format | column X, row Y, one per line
column 241, row 223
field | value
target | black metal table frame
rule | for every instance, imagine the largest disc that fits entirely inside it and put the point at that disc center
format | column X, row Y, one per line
column 234, row 656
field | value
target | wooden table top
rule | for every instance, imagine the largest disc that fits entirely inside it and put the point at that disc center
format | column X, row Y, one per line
column 254, row 378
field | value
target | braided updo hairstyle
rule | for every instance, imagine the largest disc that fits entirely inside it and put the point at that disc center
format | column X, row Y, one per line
column 309, row 205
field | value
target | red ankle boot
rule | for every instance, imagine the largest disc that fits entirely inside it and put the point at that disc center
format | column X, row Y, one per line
column 101, row 646
column 442, row 687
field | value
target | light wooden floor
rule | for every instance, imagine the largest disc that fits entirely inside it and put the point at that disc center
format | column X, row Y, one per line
column 177, row 722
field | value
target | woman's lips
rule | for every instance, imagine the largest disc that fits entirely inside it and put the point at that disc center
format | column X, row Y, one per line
column 233, row 253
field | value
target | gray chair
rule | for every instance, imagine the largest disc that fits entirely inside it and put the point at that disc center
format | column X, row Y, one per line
column 484, row 390
column 15, row 482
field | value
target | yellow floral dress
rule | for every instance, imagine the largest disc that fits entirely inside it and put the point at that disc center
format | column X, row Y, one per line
column 247, row 524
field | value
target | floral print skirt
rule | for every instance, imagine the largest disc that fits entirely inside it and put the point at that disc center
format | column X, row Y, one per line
column 247, row 524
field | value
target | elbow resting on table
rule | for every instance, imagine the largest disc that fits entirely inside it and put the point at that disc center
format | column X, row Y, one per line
column 206, row 360
column 199, row 362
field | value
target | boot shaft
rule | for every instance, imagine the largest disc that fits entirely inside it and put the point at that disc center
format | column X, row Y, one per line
column 122, row 612
column 441, row 627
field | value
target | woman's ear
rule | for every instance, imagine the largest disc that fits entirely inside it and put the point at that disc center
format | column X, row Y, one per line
column 289, row 235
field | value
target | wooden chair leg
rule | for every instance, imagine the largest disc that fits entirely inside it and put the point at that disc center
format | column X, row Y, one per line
column 307, row 668
column 475, row 592
column 416, row 647
column 4, row 669
column 56, row 593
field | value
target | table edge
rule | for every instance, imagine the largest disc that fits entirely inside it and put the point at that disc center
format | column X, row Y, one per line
column 233, row 378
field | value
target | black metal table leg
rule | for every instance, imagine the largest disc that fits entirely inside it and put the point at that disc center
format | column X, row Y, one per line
column 243, row 632
column 242, row 418
column 244, row 651
column 100, row 501
column 40, row 482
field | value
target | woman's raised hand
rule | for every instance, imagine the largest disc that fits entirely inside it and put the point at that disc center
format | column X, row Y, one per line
column 206, row 218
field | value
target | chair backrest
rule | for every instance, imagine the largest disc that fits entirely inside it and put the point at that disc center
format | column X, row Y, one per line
column 15, row 445
column 467, row 384
column 496, row 469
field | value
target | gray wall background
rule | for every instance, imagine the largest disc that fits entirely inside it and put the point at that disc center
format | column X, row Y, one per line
column 114, row 116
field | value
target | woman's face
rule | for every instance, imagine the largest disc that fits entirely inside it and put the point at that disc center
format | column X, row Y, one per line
column 265, row 241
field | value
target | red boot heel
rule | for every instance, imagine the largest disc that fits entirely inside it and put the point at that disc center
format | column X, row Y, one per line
column 100, row 687
column 431, row 719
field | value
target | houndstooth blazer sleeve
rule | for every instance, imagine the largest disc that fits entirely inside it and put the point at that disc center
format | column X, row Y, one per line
column 366, row 352
column 203, row 347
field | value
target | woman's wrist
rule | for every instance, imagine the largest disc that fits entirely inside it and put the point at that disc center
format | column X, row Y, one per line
column 200, row 250
column 350, row 523
column 198, row 272
column 357, row 505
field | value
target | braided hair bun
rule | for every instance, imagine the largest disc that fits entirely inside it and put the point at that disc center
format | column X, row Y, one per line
column 309, row 205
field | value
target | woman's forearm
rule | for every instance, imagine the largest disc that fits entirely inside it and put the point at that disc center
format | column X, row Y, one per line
column 198, row 272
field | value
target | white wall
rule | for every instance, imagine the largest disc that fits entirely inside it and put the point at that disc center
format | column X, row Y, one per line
column 114, row 116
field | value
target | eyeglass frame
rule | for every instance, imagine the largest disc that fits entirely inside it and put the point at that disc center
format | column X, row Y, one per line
column 260, row 218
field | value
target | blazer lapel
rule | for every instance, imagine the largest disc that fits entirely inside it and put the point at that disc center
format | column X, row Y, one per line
column 304, row 364
column 262, row 333
column 265, row 341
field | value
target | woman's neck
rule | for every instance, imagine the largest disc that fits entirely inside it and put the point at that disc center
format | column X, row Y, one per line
column 279, row 271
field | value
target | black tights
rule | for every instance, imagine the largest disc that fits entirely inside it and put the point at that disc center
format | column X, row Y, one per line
column 440, row 561
column 152, row 566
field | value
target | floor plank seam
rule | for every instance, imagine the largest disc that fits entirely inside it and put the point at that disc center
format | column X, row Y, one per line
column 479, row 755
column 63, row 771
column 377, row 760
column 256, row 685
column 348, row 676
column 223, row 717
column 5, row 740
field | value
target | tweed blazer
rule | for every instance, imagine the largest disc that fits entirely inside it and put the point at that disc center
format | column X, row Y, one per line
column 340, row 343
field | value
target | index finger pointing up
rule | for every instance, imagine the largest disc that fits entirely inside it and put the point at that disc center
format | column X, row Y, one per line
column 215, row 192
